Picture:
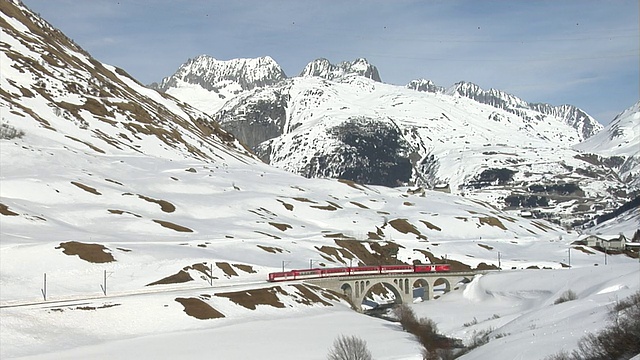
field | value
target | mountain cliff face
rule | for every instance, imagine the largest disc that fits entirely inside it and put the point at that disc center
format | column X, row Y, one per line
column 360, row 148
column 256, row 116
column 326, row 70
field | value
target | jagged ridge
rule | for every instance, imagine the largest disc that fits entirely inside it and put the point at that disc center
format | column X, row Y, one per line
column 573, row 116
column 325, row 69
column 212, row 74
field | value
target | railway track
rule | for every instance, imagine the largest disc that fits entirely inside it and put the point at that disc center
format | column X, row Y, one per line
column 83, row 300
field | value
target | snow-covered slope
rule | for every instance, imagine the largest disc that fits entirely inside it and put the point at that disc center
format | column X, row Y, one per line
column 164, row 191
column 518, row 312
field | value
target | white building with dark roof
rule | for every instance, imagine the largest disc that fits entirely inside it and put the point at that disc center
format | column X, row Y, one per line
column 607, row 242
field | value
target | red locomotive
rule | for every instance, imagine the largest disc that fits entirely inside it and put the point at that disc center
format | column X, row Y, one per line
column 359, row 270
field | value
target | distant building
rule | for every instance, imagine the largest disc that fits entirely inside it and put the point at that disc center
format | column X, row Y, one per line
column 526, row 214
column 607, row 242
column 442, row 187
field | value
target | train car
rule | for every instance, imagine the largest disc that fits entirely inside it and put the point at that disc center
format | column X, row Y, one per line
column 307, row 273
column 392, row 269
column 360, row 270
column 344, row 271
column 424, row 268
column 443, row 267
column 432, row 268
column 363, row 270
column 295, row 275
column 281, row 276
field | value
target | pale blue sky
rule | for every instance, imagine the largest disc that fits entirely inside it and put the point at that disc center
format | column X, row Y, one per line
column 579, row 52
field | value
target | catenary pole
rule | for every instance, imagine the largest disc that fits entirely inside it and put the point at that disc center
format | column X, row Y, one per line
column 44, row 288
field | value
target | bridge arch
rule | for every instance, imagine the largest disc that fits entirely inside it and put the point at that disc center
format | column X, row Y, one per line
column 442, row 285
column 421, row 289
column 394, row 287
column 347, row 290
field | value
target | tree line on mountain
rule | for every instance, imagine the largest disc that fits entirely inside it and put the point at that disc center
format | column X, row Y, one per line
column 617, row 212
column 629, row 205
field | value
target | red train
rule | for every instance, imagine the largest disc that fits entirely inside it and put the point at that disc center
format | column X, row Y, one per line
column 360, row 270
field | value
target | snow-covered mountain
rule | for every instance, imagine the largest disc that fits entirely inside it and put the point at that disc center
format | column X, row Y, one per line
column 619, row 145
column 376, row 133
column 341, row 121
column 207, row 83
column 132, row 226
column 89, row 154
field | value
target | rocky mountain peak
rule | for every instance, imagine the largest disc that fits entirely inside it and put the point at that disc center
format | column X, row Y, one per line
column 325, row 69
column 493, row 97
column 586, row 125
column 425, row 85
column 212, row 74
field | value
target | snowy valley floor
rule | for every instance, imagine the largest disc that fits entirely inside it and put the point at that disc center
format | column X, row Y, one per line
column 517, row 306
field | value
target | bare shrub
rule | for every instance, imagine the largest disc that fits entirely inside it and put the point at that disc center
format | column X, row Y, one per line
column 624, row 304
column 438, row 354
column 426, row 332
column 405, row 315
column 349, row 348
column 435, row 345
column 500, row 335
column 471, row 323
column 562, row 355
column 566, row 296
column 9, row 132
column 479, row 338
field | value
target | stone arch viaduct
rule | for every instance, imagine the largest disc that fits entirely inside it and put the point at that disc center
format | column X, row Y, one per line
column 356, row 288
